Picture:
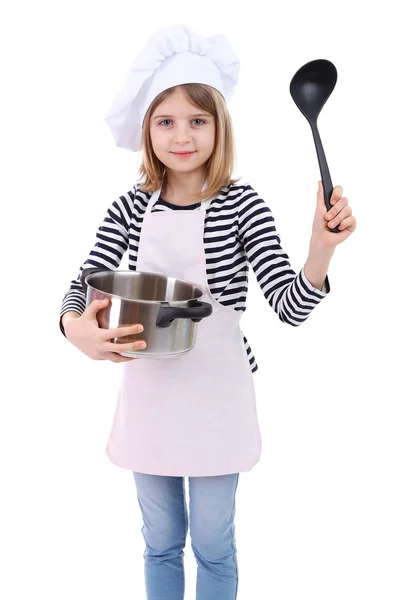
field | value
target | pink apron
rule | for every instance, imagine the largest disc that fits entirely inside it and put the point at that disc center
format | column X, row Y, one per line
column 195, row 414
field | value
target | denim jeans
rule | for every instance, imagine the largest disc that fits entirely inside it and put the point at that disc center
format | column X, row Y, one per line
column 212, row 531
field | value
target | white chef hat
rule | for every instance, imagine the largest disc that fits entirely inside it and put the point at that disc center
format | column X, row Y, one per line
column 172, row 56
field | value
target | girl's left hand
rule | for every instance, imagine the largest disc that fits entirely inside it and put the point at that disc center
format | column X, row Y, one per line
column 340, row 214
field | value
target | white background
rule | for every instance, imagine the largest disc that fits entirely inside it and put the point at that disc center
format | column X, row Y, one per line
column 318, row 517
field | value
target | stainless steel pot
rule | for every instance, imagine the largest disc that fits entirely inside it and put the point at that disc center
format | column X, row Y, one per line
column 167, row 307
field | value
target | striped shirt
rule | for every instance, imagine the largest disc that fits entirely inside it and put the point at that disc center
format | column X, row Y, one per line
column 239, row 230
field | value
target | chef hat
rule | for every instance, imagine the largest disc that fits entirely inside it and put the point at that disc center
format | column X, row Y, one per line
column 172, row 56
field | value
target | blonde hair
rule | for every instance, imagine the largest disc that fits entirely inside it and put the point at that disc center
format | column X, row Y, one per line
column 220, row 165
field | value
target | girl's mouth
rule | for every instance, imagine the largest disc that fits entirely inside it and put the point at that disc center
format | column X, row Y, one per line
column 182, row 154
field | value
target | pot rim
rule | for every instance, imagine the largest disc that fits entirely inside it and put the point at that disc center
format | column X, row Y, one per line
column 170, row 302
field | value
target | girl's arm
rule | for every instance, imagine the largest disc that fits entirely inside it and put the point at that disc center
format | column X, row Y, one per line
column 291, row 295
column 317, row 264
column 111, row 242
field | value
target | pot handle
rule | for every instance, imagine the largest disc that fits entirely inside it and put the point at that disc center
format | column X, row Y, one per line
column 195, row 310
column 88, row 271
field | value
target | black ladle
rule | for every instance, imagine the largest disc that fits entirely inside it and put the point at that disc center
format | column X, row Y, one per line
column 310, row 88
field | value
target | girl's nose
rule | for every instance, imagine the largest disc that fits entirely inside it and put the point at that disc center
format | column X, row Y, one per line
column 181, row 134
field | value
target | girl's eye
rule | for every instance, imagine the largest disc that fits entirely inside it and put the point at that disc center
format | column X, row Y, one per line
column 160, row 123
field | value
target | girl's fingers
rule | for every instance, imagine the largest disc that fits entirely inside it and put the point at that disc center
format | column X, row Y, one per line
column 345, row 212
column 117, row 347
column 337, row 207
column 107, row 334
column 347, row 223
column 337, row 192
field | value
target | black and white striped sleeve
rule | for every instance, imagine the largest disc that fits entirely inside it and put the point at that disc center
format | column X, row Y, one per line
column 111, row 243
column 291, row 295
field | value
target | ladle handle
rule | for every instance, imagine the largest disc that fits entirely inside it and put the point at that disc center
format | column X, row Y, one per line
column 325, row 175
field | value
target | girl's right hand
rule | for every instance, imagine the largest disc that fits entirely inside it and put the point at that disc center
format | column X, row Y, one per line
column 84, row 333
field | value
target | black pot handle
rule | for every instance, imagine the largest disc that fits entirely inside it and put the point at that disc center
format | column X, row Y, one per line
column 195, row 310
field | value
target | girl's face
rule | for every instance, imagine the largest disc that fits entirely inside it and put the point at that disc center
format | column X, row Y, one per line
column 179, row 126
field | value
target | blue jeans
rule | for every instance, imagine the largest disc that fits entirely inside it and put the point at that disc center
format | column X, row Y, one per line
column 212, row 531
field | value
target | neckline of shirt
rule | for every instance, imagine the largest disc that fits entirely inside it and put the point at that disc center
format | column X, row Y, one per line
column 176, row 206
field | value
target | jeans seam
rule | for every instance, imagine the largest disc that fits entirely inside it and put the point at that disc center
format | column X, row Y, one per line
column 233, row 548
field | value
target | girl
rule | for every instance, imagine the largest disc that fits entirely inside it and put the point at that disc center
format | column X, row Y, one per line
column 194, row 416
